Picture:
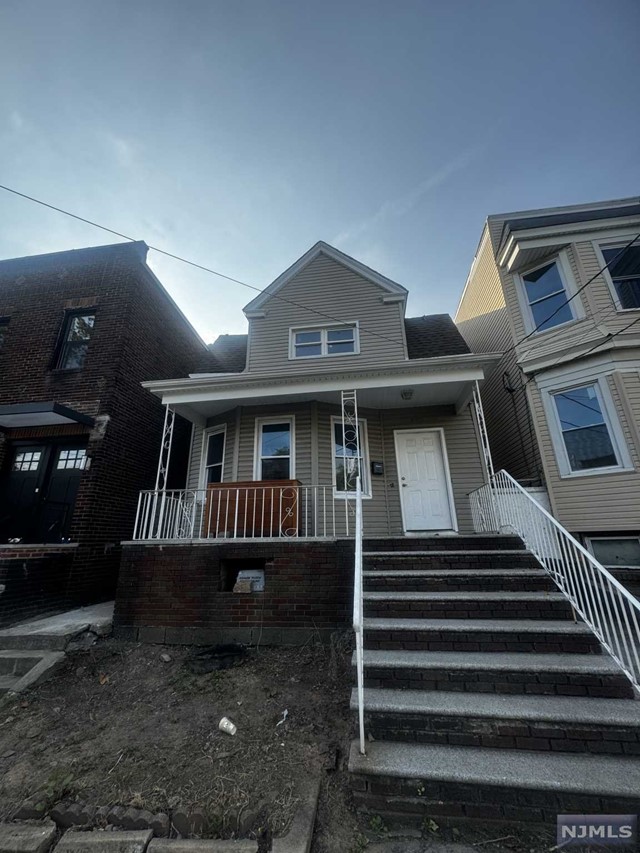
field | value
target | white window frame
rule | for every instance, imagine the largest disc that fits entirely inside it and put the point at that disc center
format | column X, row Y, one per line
column 257, row 456
column 568, row 282
column 323, row 328
column 609, row 415
column 611, row 244
column 206, row 433
column 364, row 450
column 590, row 539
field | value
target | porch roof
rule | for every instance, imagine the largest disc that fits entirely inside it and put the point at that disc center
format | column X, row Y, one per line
column 448, row 380
column 40, row 414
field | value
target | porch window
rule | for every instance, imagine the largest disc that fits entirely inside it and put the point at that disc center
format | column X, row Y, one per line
column 274, row 450
column 585, row 431
column 625, row 275
column 76, row 334
column 317, row 341
column 214, row 458
column 348, row 462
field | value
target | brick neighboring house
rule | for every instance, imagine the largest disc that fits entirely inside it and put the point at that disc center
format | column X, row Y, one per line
column 79, row 436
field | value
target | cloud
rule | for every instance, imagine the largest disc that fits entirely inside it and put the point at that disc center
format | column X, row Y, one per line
column 16, row 121
column 404, row 204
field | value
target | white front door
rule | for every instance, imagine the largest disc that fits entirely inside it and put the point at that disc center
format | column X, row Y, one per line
column 423, row 480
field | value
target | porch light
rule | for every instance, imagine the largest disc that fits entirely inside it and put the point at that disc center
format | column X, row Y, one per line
column 406, row 393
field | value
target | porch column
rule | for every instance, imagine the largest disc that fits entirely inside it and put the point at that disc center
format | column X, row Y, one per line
column 350, row 442
column 165, row 449
column 482, row 428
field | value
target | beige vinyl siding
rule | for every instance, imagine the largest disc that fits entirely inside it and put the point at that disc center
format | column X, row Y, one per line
column 484, row 322
column 330, row 288
column 597, row 502
column 197, row 448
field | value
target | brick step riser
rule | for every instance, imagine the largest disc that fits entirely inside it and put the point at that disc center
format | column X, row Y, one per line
column 453, row 584
column 444, row 543
column 452, row 562
column 409, row 609
column 435, row 641
column 389, row 796
column 557, row 736
column 511, row 682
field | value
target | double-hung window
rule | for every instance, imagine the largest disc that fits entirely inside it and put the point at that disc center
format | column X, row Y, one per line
column 586, row 431
column 274, row 449
column 624, row 271
column 214, row 455
column 545, row 292
column 349, row 457
column 331, row 340
column 76, row 334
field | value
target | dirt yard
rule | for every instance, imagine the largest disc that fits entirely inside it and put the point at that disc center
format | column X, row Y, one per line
column 120, row 725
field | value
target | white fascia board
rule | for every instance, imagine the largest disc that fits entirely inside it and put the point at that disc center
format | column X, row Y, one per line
column 331, row 252
column 430, row 371
column 557, row 235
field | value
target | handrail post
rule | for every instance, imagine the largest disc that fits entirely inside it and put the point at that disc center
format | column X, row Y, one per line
column 358, row 607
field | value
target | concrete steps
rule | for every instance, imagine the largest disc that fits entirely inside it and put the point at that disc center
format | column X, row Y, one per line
column 458, row 781
column 555, row 723
column 500, row 672
column 472, row 635
column 468, row 605
column 21, row 669
column 483, row 697
column 451, row 580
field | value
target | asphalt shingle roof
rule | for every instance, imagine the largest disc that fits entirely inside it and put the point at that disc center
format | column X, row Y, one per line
column 427, row 337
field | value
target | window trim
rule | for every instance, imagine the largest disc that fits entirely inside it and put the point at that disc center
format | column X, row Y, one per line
column 69, row 314
column 561, row 260
column 589, row 543
column 611, row 244
column 257, row 456
column 206, row 433
column 611, row 419
column 366, row 484
column 323, row 328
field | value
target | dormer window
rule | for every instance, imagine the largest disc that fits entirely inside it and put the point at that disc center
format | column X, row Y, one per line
column 318, row 341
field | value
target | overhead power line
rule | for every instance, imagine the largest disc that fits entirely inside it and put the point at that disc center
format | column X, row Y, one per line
column 193, row 263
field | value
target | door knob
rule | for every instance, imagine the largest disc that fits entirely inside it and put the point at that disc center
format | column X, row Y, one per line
column 404, row 485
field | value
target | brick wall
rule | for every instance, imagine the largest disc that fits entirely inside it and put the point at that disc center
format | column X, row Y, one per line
column 139, row 335
column 34, row 580
column 172, row 593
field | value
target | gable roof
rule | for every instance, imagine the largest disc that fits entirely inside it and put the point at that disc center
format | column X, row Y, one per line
column 322, row 248
column 433, row 336
column 229, row 353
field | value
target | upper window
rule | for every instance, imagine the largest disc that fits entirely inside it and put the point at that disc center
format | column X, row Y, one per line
column 274, row 459
column 214, row 456
column 585, row 431
column 349, row 457
column 4, row 327
column 625, row 274
column 332, row 340
column 76, row 334
column 546, row 295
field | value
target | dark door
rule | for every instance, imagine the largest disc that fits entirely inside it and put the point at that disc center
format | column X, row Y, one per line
column 21, row 490
column 38, row 491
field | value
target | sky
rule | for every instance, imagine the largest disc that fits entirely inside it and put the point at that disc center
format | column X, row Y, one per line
column 240, row 133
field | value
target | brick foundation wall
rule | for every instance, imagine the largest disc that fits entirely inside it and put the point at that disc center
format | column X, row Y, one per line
column 34, row 581
column 172, row 593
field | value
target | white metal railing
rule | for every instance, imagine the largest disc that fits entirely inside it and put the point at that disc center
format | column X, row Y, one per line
column 610, row 610
column 243, row 512
column 358, row 613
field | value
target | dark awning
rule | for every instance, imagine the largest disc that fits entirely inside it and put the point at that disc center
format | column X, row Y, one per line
column 40, row 414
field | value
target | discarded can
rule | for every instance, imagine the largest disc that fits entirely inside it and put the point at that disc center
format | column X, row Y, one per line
column 225, row 725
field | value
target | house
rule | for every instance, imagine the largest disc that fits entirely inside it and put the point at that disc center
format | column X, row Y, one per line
column 332, row 381
column 563, row 406
column 79, row 330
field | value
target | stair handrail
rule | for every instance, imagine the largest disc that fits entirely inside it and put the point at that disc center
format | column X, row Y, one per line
column 358, row 610
column 607, row 607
